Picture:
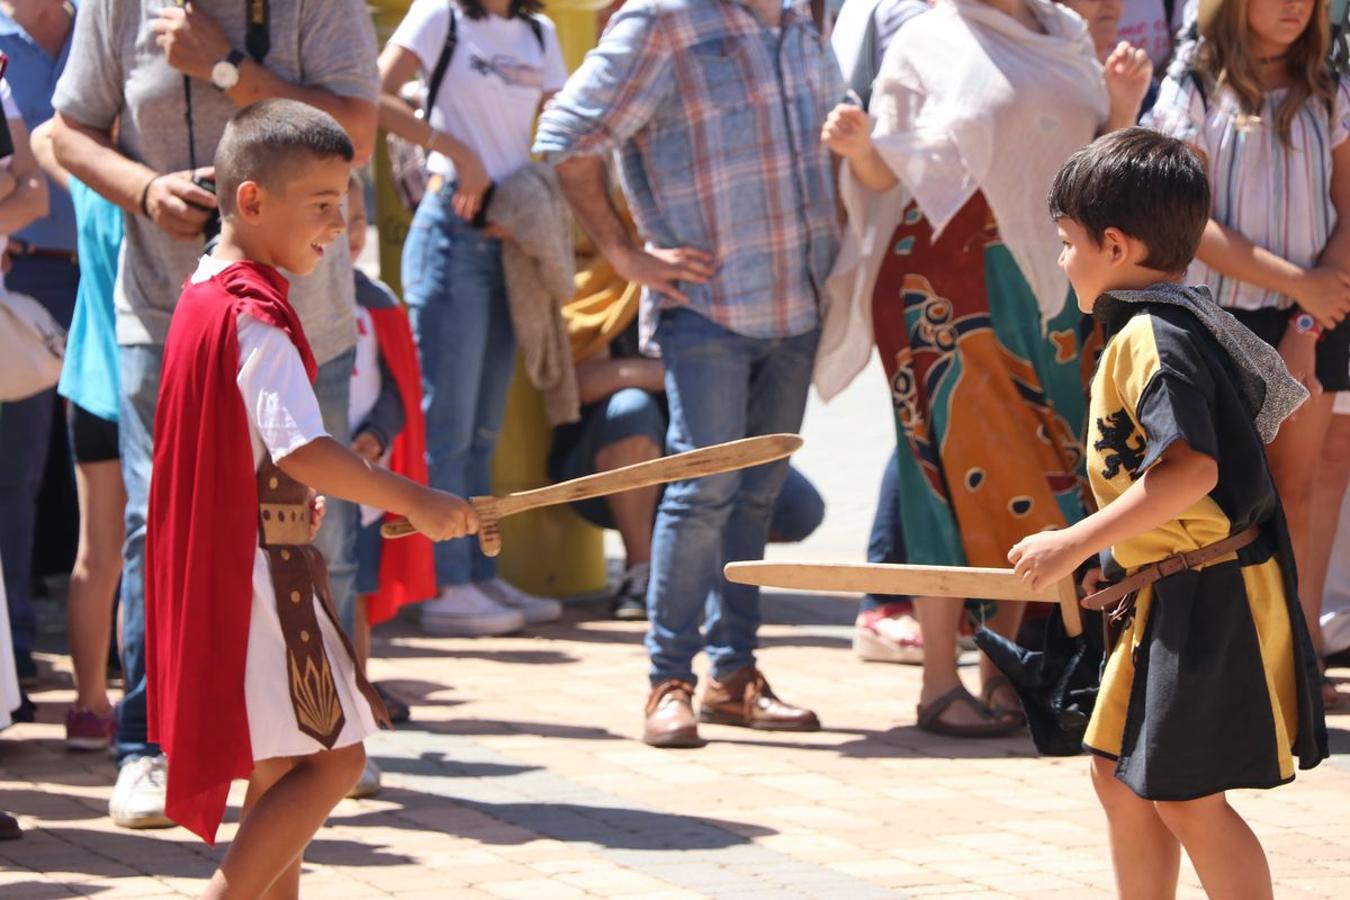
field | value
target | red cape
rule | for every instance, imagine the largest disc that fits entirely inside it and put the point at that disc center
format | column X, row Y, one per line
column 407, row 567
column 200, row 539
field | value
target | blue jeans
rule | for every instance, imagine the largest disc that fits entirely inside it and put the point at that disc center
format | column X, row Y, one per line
column 456, row 294
column 886, row 544
column 720, row 386
column 25, row 433
column 632, row 412
column 141, row 368
column 336, row 539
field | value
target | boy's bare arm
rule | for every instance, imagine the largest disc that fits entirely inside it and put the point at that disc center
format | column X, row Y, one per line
column 1173, row 485
column 330, row 468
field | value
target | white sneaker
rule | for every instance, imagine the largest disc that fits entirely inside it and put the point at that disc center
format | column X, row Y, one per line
column 534, row 609
column 462, row 610
column 138, row 798
column 369, row 783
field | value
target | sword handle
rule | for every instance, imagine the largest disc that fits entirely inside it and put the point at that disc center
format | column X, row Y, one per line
column 489, row 535
column 1067, row 591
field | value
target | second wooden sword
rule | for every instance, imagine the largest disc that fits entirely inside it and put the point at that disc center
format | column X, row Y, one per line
column 916, row 581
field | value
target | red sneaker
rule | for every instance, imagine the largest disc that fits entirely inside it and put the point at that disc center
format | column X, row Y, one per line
column 88, row 730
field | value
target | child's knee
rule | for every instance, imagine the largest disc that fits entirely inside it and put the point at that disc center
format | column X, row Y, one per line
column 1112, row 793
column 341, row 767
column 1184, row 817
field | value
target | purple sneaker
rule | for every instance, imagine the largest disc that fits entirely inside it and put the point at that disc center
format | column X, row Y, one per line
column 87, row 730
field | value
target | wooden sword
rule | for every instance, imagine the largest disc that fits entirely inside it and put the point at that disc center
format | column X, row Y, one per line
column 680, row 467
column 916, row 581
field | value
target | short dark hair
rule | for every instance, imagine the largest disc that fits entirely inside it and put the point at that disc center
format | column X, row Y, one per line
column 519, row 8
column 266, row 141
column 1151, row 187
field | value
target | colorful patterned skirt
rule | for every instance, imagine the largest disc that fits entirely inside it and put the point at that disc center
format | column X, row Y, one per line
column 988, row 407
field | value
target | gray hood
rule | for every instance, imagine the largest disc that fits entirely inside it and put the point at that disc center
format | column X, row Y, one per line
column 1269, row 392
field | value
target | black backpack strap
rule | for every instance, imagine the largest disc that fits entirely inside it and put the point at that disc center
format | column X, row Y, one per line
column 442, row 62
column 1194, row 78
column 536, row 27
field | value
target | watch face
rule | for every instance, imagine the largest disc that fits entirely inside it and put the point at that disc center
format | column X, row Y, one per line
column 224, row 75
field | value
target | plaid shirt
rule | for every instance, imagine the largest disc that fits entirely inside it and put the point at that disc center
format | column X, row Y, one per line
column 717, row 121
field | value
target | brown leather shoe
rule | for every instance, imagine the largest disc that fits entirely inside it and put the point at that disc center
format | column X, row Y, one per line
column 670, row 716
column 745, row 699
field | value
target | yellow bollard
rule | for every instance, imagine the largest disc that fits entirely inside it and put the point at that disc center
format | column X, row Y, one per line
column 550, row 552
column 391, row 218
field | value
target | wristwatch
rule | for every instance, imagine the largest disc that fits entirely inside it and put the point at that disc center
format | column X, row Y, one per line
column 225, row 73
column 1304, row 323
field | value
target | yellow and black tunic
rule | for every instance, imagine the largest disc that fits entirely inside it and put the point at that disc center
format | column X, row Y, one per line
column 1213, row 683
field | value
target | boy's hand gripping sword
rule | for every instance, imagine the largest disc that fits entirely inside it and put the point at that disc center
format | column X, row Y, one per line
column 682, row 466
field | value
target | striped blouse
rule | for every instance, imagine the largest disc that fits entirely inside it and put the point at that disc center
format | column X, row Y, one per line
column 1276, row 196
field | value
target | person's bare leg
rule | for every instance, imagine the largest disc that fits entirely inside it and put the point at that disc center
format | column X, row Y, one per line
column 1293, row 464
column 93, row 581
column 939, row 618
column 1333, row 473
column 634, row 512
column 1225, row 852
column 361, row 635
column 265, row 774
column 282, row 820
column 1145, row 854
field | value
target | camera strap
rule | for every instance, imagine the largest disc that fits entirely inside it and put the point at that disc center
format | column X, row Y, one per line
column 257, row 41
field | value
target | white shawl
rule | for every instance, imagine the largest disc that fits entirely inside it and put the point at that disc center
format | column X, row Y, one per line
column 967, row 100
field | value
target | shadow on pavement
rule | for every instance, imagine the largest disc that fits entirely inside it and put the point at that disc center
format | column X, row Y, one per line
column 509, row 657
column 904, row 741
column 45, row 890
column 474, row 727
column 619, row 828
column 439, row 764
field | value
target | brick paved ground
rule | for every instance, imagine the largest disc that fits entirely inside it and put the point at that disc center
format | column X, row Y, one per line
column 520, row 777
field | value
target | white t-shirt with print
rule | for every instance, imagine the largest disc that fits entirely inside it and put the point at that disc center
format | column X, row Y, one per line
column 1144, row 24
column 492, row 88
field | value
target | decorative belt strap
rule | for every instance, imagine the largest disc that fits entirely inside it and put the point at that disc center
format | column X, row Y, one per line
column 298, row 575
column 1172, row 565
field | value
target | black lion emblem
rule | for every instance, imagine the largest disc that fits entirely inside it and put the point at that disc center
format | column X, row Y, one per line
column 1116, row 432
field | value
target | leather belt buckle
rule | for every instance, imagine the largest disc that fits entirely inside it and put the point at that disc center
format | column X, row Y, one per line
column 284, row 524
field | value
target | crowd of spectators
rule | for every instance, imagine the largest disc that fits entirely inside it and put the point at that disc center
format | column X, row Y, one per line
column 803, row 190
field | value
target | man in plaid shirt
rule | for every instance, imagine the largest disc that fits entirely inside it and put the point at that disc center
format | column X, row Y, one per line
column 715, row 108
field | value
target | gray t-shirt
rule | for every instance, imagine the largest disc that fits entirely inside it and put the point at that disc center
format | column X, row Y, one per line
column 117, row 72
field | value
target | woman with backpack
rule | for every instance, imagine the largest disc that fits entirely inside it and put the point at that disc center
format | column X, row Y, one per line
column 1260, row 104
column 489, row 65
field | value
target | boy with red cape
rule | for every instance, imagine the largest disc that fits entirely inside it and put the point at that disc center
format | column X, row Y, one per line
column 249, row 674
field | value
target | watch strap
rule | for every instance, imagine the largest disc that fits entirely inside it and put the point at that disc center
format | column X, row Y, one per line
column 235, row 57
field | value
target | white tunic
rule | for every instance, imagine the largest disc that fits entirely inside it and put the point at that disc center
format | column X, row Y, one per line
column 283, row 416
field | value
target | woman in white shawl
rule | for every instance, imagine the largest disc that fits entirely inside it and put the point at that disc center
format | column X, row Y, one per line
column 977, row 104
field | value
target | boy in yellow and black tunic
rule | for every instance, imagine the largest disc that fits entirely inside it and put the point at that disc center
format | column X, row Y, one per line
column 1211, row 682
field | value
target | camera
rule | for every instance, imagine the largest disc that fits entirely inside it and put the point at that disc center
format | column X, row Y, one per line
column 211, row 230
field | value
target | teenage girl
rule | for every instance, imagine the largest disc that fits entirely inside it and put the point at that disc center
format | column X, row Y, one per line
column 1263, row 109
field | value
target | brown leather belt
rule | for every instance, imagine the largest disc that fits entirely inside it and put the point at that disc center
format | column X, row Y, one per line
column 18, row 248
column 298, row 575
column 1172, row 565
